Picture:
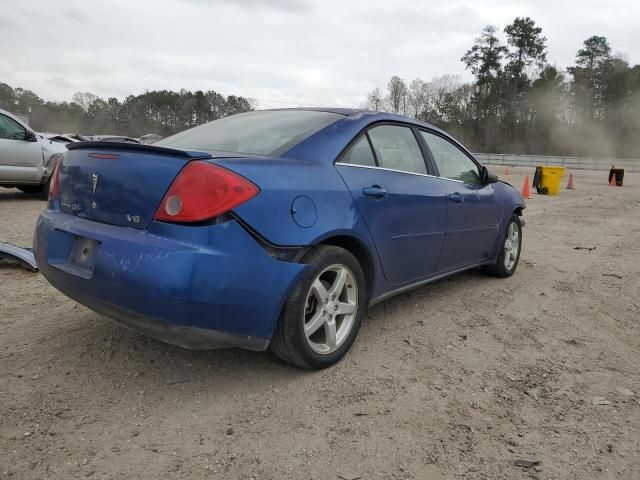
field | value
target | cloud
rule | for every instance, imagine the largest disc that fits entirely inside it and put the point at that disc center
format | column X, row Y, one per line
column 287, row 6
column 282, row 52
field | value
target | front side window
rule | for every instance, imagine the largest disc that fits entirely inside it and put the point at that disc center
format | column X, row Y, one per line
column 269, row 133
column 360, row 153
column 10, row 129
column 452, row 162
column 397, row 148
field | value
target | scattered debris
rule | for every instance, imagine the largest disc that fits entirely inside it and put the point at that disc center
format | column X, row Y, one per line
column 349, row 476
column 612, row 275
column 600, row 401
column 531, row 264
column 17, row 256
column 229, row 431
column 533, row 393
column 360, row 414
column 584, row 248
column 463, row 337
column 178, row 381
column 625, row 391
column 526, row 462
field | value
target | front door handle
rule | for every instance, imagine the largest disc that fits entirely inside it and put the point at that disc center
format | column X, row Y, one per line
column 456, row 197
column 375, row 191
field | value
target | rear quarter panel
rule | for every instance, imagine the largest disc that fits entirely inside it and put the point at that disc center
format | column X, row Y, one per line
column 283, row 180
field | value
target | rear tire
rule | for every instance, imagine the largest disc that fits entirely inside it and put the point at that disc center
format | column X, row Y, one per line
column 509, row 255
column 322, row 315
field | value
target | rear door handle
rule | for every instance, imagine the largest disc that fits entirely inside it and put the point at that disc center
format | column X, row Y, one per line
column 375, row 191
column 456, row 197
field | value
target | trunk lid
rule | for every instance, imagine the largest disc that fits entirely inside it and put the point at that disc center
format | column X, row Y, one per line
column 118, row 184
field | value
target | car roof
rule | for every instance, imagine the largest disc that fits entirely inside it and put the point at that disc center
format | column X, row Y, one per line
column 373, row 115
column 360, row 119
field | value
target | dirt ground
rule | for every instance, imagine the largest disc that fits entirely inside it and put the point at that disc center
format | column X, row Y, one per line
column 458, row 379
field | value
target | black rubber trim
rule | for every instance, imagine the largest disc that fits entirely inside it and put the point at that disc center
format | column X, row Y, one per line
column 134, row 147
column 286, row 254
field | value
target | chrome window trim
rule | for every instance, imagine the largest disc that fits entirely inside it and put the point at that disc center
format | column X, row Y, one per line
column 402, row 171
column 388, row 170
column 457, row 181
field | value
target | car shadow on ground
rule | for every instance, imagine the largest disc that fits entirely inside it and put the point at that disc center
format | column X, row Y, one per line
column 17, row 195
column 106, row 349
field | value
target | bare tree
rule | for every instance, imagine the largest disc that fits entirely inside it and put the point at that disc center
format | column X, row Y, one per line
column 374, row 99
column 397, row 91
column 417, row 97
column 84, row 99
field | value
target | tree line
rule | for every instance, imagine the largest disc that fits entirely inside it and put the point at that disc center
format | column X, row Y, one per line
column 520, row 103
column 163, row 112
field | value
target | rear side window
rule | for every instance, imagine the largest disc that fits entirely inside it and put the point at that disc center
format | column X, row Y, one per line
column 265, row 132
column 452, row 162
column 360, row 153
column 397, row 148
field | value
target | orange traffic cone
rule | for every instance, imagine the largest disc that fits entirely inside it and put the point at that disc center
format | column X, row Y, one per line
column 570, row 182
column 612, row 181
column 526, row 192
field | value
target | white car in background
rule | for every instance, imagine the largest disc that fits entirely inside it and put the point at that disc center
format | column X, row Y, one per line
column 27, row 159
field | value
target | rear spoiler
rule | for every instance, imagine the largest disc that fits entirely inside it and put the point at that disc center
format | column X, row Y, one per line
column 135, row 147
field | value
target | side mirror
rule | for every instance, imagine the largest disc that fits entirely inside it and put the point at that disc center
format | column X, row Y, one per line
column 487, row 176
column 30, row 136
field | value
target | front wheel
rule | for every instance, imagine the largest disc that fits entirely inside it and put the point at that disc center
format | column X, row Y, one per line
column 322, row 316
column 509, row 255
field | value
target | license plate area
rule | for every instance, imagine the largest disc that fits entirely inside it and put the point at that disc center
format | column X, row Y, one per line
column 82, row 254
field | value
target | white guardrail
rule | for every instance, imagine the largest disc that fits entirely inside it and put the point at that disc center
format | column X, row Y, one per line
column 574, row 163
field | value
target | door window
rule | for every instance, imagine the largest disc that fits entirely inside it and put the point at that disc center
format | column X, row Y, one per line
column 452, row 162
column 360, row 154
column 397, row 148
column 10, row 129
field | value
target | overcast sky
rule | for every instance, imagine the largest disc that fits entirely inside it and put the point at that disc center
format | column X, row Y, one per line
column 281, row 52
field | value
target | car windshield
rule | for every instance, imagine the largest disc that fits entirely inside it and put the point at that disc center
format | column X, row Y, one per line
column 266, row 132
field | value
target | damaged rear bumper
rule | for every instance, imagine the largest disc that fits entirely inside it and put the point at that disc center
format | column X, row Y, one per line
column 198, row 287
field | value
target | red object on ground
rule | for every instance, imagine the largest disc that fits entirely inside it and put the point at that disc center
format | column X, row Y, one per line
column 570, row 182
column 526, row 191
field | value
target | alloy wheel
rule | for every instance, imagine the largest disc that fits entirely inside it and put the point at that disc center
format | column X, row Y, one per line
column 511, row 246
column 330, row 309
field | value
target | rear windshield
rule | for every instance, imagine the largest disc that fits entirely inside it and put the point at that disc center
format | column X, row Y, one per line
column 267, row 133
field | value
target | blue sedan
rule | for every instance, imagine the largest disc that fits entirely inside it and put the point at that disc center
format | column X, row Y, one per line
column 271, row 228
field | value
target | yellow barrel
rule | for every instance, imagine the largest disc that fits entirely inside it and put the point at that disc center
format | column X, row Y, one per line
column 550, row 178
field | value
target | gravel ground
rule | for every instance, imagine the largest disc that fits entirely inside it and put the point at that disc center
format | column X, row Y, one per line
column 458, row 379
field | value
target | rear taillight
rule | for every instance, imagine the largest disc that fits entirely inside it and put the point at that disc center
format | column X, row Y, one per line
column 203, row 191
column 53, row 184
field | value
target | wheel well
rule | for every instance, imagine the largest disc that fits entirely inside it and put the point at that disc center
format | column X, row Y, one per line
column 358, row 250
column 518, row 211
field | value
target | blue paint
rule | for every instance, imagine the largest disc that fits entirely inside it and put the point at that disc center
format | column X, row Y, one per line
column 219, row 276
